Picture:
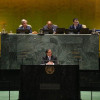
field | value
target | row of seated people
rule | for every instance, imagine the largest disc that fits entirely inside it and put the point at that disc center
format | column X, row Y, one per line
column 50, row 28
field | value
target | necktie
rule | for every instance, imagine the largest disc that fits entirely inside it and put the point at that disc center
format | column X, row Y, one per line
column 49, row 58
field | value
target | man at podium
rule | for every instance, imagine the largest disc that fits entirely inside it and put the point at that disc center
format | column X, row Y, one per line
column 49, row 59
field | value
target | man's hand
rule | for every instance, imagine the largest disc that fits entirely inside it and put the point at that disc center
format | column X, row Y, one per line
column 50, row 63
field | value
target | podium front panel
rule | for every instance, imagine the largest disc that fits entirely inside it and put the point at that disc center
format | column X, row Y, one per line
column 52, row 83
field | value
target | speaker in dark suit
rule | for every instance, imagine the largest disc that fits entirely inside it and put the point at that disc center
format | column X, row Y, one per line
column 49, row 59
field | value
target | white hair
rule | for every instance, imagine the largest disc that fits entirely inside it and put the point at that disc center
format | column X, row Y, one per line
column 23, row 20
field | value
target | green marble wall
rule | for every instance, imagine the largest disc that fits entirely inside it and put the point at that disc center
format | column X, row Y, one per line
column 70, row 49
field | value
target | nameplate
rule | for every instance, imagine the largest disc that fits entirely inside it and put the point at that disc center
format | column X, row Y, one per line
column 51, row 86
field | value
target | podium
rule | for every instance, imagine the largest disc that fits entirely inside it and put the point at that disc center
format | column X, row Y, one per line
column 49, row 82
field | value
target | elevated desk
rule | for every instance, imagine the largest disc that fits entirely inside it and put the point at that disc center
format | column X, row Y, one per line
column 70, row 49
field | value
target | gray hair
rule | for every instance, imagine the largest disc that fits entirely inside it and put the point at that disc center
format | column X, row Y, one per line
column 23, row 20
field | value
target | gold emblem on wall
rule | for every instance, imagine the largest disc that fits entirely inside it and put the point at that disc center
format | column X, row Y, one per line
column 49, row 69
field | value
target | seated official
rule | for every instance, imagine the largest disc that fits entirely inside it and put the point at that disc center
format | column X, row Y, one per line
column 24, row 27
column 76, row 25
column 50, row 27
column 49, row 59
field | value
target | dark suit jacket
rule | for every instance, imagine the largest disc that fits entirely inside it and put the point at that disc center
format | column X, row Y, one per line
column 79, row 27
column 28, row 27
column 54, row 27
column 46, row 59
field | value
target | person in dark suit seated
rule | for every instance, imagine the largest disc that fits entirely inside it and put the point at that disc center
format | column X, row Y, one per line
column 49, row 59
column 24, row 26
column 76, row 25
column 50, row 26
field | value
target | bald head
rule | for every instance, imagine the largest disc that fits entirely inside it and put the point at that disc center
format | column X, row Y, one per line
column 49, row 24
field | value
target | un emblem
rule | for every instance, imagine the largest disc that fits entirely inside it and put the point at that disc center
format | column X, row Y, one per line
column 49, row 69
